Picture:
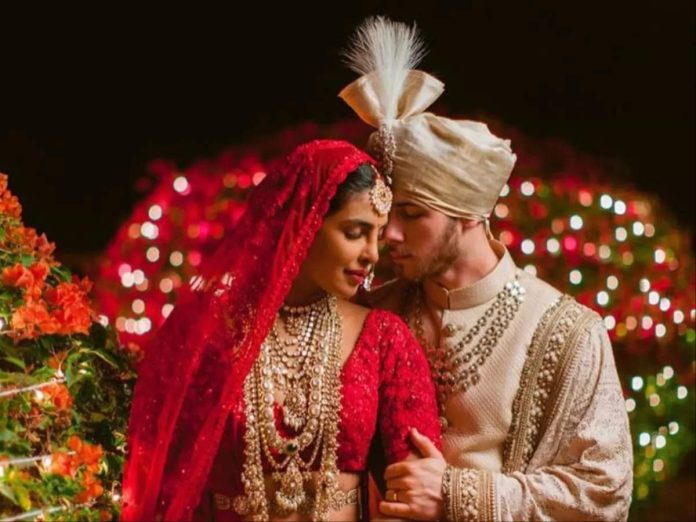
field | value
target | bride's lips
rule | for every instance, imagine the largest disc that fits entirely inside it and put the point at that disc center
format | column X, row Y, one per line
column 356, row 276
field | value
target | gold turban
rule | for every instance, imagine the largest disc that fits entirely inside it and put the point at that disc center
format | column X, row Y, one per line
column 457, row 167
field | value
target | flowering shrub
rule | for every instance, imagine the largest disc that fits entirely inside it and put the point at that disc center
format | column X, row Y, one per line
column 64, row 385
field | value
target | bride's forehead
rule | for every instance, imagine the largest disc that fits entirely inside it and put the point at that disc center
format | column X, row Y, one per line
column 358, row 207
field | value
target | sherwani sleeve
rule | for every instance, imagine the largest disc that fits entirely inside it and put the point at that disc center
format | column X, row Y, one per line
column 582, row 466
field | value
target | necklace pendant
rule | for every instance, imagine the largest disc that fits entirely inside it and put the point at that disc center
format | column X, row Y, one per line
column 290, row 496
column 295, row 408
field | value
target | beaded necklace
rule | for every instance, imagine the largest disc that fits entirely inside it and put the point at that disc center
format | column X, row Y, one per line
column 307, row 369
column 458, row 367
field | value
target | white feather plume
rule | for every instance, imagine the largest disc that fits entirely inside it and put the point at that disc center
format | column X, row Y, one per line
column 390, row 49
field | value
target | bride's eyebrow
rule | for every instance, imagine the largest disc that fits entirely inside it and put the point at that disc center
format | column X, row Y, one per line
column 358, row 222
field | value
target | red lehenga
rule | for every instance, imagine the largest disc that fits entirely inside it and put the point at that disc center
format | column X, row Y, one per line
column 385, row 390
column 185, row 431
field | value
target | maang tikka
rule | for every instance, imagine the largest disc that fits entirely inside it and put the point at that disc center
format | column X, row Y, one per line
column 380, row 195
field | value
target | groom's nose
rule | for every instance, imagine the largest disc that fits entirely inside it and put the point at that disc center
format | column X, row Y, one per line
column 393, row 232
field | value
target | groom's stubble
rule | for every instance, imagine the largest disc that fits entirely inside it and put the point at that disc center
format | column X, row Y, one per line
column 444, row 253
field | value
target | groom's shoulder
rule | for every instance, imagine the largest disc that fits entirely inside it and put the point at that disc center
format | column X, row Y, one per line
column 388, row 296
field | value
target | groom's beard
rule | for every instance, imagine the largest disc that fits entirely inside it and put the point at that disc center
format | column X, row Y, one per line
column 446, row 252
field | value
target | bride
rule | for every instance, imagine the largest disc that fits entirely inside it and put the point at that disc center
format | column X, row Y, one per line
column 262, row 393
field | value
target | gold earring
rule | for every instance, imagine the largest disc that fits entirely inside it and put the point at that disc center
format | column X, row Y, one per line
column 367, row 282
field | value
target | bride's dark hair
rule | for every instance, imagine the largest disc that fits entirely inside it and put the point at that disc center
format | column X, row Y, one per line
column 359, row 180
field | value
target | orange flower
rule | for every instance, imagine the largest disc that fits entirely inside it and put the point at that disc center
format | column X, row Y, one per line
column 17, row 276
column 29, row 238
column 33, row 279
column 62, row 464
column 105, row 516
column 32, row 320
column 84, row 284
column 40, row 271
column 9, row 204
column 92, row 488
column 72, row 310
column 60, row 396
column 91, row 454
column 33, row 293
column 44, row 247
column 88, row 454
column 75, row 443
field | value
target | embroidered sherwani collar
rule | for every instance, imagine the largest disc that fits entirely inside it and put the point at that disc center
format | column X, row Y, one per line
column 477, row 293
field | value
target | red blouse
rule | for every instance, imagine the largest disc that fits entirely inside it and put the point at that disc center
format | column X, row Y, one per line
column 386, row 384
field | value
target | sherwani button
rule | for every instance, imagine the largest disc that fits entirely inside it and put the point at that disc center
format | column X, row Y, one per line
column 444, row 423
column 449, row 330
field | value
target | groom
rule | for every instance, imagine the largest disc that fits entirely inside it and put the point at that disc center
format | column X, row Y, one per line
column 533, row 416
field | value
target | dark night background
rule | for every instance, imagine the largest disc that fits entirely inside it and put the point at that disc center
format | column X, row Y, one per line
column 89, row 97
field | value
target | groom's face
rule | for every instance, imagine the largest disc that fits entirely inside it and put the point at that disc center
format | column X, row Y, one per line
column 422, row 242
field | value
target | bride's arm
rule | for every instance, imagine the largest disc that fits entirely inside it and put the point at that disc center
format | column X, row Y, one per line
column 407, row 394
column 406, row 400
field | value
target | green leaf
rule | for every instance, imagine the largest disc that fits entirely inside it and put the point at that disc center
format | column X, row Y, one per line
column 59, row 486
column 16, row 361
column 23, row 498
column 43, row 373
column 27, row 259
column 105, row 356
column 7, row 435
column 62, row 273
column 46, row 343
column 8, row 492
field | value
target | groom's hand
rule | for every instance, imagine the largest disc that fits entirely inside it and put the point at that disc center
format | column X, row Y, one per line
column 414, row 488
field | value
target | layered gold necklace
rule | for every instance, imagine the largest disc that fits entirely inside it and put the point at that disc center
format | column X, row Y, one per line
column 305, row 368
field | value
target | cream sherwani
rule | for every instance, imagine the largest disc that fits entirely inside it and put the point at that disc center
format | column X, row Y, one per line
column 543, row 432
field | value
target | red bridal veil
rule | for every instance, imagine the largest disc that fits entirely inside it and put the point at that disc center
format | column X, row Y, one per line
column 194, row 369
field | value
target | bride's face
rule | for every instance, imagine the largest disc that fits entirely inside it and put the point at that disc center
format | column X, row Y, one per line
column 345, row 248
